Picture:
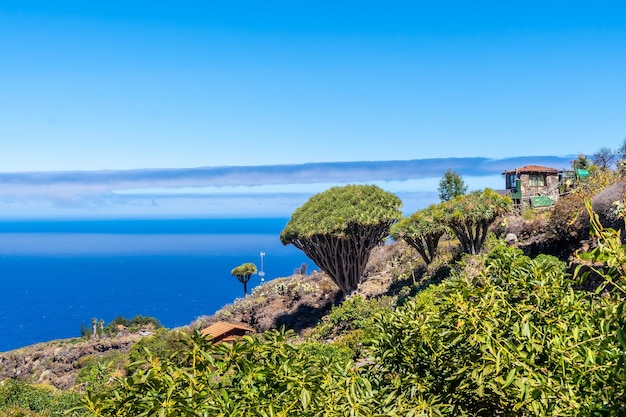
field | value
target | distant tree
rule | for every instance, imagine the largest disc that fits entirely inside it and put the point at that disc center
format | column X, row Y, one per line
column 582, row 162
column 120, row 320
column 605, row 158
column 243, row 273
column 451, row 185
column 621, row 158
column 145, row 321
column 338, row 228
column 469, row 216
column 621, row 150
column 422, row 231
column 83, row 330
column 94, row 326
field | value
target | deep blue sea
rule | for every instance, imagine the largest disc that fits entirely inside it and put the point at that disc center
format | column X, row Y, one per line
column 55, row 275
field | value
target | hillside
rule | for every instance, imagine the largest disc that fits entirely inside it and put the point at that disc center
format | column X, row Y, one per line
column 299, row 302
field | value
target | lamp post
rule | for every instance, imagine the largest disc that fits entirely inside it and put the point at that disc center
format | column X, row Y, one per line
column 262, row 273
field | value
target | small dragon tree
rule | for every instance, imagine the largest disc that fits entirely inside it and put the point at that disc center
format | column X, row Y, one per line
column 243, row 273
column 469, row 216
column 338, row 228
column 422, row 231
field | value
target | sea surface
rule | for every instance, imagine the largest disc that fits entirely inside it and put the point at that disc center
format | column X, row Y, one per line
column 56, row 275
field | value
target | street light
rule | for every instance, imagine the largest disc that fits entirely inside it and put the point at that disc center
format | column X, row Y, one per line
column 262, row 273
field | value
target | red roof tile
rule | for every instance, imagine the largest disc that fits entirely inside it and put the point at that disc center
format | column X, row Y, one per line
column 528, row 169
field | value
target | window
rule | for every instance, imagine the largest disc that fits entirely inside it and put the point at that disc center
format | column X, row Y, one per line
column 511, row 180
column 537, row 180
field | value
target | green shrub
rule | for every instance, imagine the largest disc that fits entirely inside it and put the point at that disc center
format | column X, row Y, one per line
column 95, row 372
column 18, row 398
column 16, row 411
column 515, row 340
column 505, row 335
column 256, row 376
column 355, row 313
column 162, row 344
column 333, row 351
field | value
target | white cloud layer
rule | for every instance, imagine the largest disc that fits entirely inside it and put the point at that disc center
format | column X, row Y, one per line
column 235, row 191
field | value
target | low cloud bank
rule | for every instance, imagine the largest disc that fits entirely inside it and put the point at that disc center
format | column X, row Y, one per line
column 274, row 190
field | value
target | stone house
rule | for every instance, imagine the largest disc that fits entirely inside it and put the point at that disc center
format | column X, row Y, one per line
column 533, row 185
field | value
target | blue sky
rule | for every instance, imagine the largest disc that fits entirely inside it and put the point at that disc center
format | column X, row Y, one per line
column 90, row 86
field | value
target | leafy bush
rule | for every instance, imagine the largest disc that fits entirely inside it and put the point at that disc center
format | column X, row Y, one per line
column 96, row 372
column 257, row 376
column 162, row 344
column 515, row 340
column 505, row 335
column 336, row 352
column 355, row 313
column 18, row 398
column 597, row 181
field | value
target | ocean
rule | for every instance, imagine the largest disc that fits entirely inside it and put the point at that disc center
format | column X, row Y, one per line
column 56, row 275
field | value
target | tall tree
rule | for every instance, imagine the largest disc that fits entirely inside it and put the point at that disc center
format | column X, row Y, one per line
column 451, row 185
column 604, row 158
column 621, row 151
column 422, row 231
column 243, row 273
column 338, row 228
column 469, row 216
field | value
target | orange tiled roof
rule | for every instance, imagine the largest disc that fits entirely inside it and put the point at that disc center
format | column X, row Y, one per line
column 529, row 169
column 216, row 330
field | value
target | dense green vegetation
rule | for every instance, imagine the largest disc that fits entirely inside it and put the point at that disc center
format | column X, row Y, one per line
column 517, row 339
column 503, row 334
column 19, row 399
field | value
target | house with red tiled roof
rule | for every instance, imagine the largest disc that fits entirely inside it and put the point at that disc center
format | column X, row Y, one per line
column 533, row 185
column 222, row 331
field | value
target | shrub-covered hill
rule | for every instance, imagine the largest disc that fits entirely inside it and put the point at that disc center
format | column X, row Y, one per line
column 501, row 333
column 296, row 302
column 58, row 362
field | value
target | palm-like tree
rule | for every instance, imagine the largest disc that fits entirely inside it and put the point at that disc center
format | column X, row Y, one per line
column 243, row 273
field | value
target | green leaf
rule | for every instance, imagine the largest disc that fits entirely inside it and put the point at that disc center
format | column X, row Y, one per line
column 621, row 336
column 509, row 378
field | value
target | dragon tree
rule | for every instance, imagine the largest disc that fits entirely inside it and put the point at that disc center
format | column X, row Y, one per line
column 469, row 216
column 338, row 228
column 422, row 230
column 243, row 273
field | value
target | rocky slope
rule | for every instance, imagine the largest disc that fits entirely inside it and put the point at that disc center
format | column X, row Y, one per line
column 58, row 362
column 296, row 302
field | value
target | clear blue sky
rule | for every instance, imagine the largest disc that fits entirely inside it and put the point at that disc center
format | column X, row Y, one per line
column 87, row 85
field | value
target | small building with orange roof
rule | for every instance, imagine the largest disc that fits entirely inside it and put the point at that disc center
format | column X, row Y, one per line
column 222, row 331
